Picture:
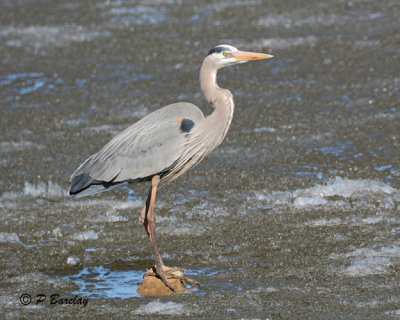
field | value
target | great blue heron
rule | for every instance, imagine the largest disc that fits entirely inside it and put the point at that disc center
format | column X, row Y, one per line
column 164, row 144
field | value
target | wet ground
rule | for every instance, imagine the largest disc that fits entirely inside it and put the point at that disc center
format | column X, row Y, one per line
column 295, row 216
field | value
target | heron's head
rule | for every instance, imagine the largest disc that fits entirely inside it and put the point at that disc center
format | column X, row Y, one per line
column 225, row 55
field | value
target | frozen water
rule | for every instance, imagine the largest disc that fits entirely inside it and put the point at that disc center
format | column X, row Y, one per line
column 73, row 260
column 164, row 308
column 44, row 36
column 276, row 197
column 387, row 204
column 9, row 237
column 9, row 146
column 38, row 279
column 86, row 235
column 309, row 201
column 280, row 43
column 372, row 220
column 345, row 187
column 43, row 189
column 320, row 195
column 57, row 232
column 10, row 195
column 139, row 14
column 179, row 228
column 109, row 216
column 325, row 222
column 106, row 127
column 393, row 312
column 222, row 5
column 113, row 204
column 258, row 130
column 369, row 261
column 296, row 19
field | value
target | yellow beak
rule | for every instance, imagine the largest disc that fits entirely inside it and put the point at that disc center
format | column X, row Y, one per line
column 247, row 56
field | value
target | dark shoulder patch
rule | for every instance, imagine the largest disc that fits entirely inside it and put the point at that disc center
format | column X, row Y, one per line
column 186, row 125
column 218, row 50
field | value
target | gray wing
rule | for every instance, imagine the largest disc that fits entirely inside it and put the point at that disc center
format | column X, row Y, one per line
column 148, row 147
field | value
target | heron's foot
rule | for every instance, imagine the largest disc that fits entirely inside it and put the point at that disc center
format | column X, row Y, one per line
column 173, row 273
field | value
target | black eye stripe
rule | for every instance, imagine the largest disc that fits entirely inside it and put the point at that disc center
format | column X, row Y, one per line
column 218, row 50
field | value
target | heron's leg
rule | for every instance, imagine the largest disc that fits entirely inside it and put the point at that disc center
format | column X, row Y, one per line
column 150, row 226
column 149, row 221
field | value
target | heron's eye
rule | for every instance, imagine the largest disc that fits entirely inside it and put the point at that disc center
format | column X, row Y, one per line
column 225, row 54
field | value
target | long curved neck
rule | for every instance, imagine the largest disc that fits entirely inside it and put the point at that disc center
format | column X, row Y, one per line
column 208, row 82
column 209, row 132
column 221, row 99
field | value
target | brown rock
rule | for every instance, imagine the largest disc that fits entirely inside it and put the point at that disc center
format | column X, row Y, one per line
column 152, row 286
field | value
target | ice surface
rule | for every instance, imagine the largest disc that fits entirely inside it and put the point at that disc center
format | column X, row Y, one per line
column 43, row 189
column 277, row 197
column 393, row 312
column 114, row 204
column 140, row 14
column 44, row 36
column 86, row 235
column 10, row 195
column 106, row 127
column 73, row 260
column 164, row 308
column 345, row 187
column 9, row 146
column 279, row 43
column 35, row 279
column 387, row 203
column 309, row 201
column 319, row 195
column 9, row 237
column 349, row 221
column 369, row 261
column 57, row 232
column 372, row 220
column 258, row 130
column 297, row 19
column 219, row 6
column 109, row 216
column 325, row 222
column 180, row 228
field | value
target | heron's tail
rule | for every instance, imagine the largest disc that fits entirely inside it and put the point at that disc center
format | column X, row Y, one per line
column 81, row 180
column 82, row 184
